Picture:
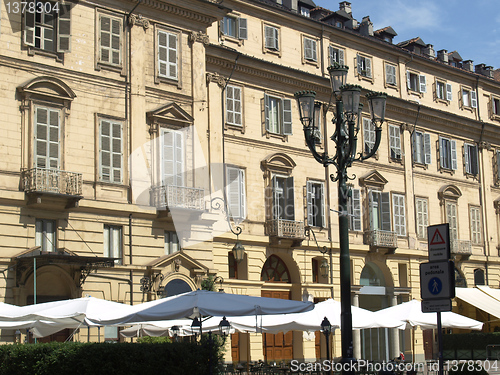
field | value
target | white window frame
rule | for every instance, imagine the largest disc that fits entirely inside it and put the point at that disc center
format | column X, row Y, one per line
column 310, row 48
column 471, row 160
column 444, row 91
column 390, row 75
column 236, row 193
column 278, row 115
column 364, row 66
column 239, row 24
column 354, row 210
column 395, row 152
column 112, row 171
column 234, row 105
column 172, row 156
column 46, row 149
column 422, row 216
column 399, row 214
column 46, row 235
column 421, row 148
column 271, row 38
column 113, row 242
column 368, row 135
column 111, row 48
column 447, row 153
column 451, row 217
column 171, row 242
column 416, row 82
column 316, row 204
column 336, row 55
column 469, row 97
column 379, row 208
column 283, row 197
column 167, row 57
column 475, row 225
column 495, row 107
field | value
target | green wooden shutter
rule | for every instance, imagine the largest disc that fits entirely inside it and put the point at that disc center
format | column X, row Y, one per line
column 64, row 29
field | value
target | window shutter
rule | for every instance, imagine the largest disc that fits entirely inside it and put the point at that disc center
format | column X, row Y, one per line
column 105, row 150
column 331, row 55
column 368, row 135
column 422, row 81
column 309, row 200
column 29, row 28
column 172, row 56
column 168, row 158
column 314, row 53
column 270, row 37
column 237, row 105
column 287, row 116
column 322, row 203
column 368, row 67
column 356, row 210
column 390, row 73
column 308, row 55
column 179, row 159
column 371, row 208
column 416, row 147
column 474, row 160
column 449, row 93
column 386, row 211
column 473, row 99
column 117, row 153
column 453, row 144
column 466, row 158
column 46, row 138
column 408, row 80
column 442, row 156
column 230, row 104
column 243, row 195
column 398, row 204
column 242, row 28
column 233, row 175
column 360, row 66
column 427, row 148
column 275, row 207
column 497, row 158
column 289, row 199
column 64, row 29
column 341, row 57
column 266, row 110
column 395, row 141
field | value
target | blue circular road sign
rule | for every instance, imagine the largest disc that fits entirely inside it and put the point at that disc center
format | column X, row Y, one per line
column 435, row 285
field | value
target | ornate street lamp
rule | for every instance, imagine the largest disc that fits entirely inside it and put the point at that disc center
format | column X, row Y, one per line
column 324, row 268
column 175, row 331
column 224, row 327
column 326, row 328
column 196, row 326
column 238, row 251
column 347, row 120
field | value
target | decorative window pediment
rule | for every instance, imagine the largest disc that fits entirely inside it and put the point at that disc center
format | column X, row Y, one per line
column 178, row 259
column 449, row 192
column 279, row 163
column 171, row 113
column 373, row 179
column 48, row 88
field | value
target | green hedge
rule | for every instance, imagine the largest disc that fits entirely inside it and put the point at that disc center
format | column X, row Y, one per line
column 103, row 358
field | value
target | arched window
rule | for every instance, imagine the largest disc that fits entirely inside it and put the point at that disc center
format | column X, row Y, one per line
column 371, row 276
column 479, row 277
column 175, row 287
column 275, row 270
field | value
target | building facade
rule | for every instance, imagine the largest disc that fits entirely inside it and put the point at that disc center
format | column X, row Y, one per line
column 134, row 132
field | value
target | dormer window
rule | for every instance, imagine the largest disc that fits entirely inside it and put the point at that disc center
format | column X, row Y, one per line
column 305, row 12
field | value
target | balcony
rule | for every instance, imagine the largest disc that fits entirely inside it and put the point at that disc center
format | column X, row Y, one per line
column 461, row 247
column 381, row 238
column 285, row 229
column 38, row 182
column 178, row 197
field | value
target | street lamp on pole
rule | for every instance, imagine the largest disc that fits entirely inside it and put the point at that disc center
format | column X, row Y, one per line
column 347, row 124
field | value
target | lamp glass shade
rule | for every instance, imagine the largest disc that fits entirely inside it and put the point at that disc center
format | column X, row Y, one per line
column 224, row 327
column 196, row 326
column 377, row 106
column 238, row 251
column 175, row 330
column 326, row 327
column 323, row 268
column 350, row 98
column 338, row 75
column 305, row 100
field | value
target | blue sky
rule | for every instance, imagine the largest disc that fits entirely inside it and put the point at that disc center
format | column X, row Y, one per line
column 470, row 27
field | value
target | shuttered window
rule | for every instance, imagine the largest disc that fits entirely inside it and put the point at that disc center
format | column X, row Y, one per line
column 233, row 105
column 278, row 113
column 172, row 145
column 354, row 210
column 111, row 151
column 380, row 210
column 368, row 135
column 451, row 218
column 110, row 40
column 167, row 55
column 310, row 53
column 171, row 242
column 316, row 204
column 390, row 74
column 395, row 142
column 475, row 225
column 234, row 27
column 364, row 66
column 399, row 214
column 336, row 55
column 283, row 198
column 271, row 38
column 421, row 148
column 448, row 153
column 45, row 234
column 470, row 159
column 236, row 193
column 47, row 137
column 113, row 242
column 422, row 212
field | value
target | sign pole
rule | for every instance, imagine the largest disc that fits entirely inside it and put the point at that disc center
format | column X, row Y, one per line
column 440, row 343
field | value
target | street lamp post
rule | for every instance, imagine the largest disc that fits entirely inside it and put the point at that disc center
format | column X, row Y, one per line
column 347, row 124
column 326, row 327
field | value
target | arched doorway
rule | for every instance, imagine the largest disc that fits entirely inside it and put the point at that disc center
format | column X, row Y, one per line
column 175, row 287
column 277, row 347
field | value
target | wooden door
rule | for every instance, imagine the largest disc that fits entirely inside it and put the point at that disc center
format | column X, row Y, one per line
column 277, row 347
column 428, row 335
column 235, row 347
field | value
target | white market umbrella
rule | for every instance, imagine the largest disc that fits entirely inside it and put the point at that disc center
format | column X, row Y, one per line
column 204, row 303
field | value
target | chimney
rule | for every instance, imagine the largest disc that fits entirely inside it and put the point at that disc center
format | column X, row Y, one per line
column 291, row 4
column 468, row 65
column 484, row 70
column 429, row 51
column 351, row 24
column 442, row 55
column 345, row 6
column 366, row 27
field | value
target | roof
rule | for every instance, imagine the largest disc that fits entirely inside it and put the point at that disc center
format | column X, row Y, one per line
column 308, row 2
column 386, row 30
column 455, row 56
column 418, row 41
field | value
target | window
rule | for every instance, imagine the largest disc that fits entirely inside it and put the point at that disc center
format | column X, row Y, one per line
column 278, row 113
column 310, row 53
column 451, row 218
column 168, row 55
column 399, row 215
column 45, row 234
column 316, row 204
column 448, row 153
column 47, row 137
column 110, row 151
column 390, row 75
column 354, row 210
column 233, row 105
column 364, row 65
column 380, row 210
column 421, row 148
column 236, row 193
column 469, row 98
column 49, row 28
column 113, row 242
column 422, row 212
column 496, row 166
column 395, row 142
column 495, row 108
column 110, row 40
column 234, row 27
column 283, row 198
column 470, row 159
column 271, row 38
column 416, row 82
column 475, row 225
column 368, row 135
column 479, row 277
column 171, row 244
column 305, row 12
column 443, row 91
column 172, row 165
column 318, row 124
column 336, row 55
column 232, row 265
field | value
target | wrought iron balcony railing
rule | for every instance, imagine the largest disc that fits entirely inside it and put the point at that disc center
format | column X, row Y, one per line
column 178, row 196
column 285, row 228
column 381, row 238
column 45, row 180
column 462, row 247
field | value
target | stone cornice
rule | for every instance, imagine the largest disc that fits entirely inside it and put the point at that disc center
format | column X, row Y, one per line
column 182, row 12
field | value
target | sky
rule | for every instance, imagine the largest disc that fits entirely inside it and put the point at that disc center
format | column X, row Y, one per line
column 470, row 27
